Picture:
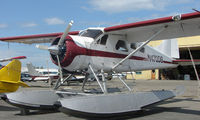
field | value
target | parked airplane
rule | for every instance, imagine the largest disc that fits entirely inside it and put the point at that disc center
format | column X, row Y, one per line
column 10, row 75
column 49, row 75
column 113, row 49
column 42, row 74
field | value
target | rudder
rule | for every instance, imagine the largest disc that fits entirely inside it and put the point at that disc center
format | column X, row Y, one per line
column 10, row 77
column 11, row 72
column 31, row 70
column 169, row 48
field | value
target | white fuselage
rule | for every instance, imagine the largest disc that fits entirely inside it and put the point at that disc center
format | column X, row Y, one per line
column 106, row 55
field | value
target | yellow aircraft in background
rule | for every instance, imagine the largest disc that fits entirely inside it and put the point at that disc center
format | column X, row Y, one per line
column 10, row 77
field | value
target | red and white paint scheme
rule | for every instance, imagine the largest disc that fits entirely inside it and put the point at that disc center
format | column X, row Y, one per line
column 96, row 52
column 118, row 48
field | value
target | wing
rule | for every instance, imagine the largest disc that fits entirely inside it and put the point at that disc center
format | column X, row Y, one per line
column 10, row 59
column 40, row 38
column 178, row 26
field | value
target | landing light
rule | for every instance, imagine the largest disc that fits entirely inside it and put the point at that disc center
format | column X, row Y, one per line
column 176, row 17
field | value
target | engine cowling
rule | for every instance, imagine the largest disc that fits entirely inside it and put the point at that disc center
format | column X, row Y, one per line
column 67, row 53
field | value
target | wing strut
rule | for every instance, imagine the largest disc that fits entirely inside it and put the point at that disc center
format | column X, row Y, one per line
column 140, row 47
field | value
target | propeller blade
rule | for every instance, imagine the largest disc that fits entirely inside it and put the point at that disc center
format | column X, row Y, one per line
column 52, row 49
column 42, row 47
column 60, row 80
column 60, row 69
column 64, row 35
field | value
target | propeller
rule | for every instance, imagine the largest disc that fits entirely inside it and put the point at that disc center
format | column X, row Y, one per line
column 64, row 35
column 56, row 49
column 42, row 47
column 52, row 49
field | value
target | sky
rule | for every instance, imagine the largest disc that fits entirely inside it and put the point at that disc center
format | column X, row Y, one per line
column 27, row 17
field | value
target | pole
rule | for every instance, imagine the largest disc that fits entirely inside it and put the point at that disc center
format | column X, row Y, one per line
column 197, row 76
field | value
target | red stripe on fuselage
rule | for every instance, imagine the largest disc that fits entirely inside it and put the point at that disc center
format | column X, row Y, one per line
column 74, row 50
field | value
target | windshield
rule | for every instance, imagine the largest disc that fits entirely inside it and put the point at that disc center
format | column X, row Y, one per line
column 49, row 73
column 1, row 66
column 91, row 33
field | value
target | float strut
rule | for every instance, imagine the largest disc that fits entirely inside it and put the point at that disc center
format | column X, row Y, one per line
column 96, row 78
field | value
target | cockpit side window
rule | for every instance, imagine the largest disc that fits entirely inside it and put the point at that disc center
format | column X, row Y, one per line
column 103, row 40
column 121, row 45
column 91, row 33
column 1, row 66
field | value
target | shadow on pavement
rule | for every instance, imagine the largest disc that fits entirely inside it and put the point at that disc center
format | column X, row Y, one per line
column 7, row 108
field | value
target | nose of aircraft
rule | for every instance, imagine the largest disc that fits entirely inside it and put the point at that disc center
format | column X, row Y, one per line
column 56, row 49
column 63, row 50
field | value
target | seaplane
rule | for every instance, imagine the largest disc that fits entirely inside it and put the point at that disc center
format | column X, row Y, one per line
column 10, row 75
column 96, row 51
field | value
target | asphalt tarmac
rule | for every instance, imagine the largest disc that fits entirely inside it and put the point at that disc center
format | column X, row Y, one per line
column 184, row 107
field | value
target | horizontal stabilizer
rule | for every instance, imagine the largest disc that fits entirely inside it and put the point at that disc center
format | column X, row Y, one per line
column 185, row 62
column 19, row 83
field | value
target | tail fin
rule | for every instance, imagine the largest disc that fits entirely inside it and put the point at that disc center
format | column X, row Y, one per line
column 10, row 76
column 31, row 70
column 169, row 48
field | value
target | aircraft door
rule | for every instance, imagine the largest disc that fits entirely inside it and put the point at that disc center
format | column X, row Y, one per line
column 99, row 49
column 120, row 47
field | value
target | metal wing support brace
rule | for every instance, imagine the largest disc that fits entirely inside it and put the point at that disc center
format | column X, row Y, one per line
column 134, row 51
column 140, row 47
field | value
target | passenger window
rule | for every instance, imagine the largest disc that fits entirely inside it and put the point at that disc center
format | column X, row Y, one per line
column 103, row 40
column 121, row 45
column 133, row 46
column 142, row 50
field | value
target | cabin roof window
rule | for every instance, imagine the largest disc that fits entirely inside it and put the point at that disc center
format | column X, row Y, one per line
column 91, row 33
column 121, row 45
